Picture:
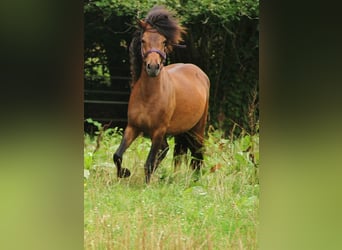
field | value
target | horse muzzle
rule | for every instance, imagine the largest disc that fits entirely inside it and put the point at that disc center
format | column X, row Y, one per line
column 153, row 70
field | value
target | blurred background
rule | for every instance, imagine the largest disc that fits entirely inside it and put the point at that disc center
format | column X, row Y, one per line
column 222, row 39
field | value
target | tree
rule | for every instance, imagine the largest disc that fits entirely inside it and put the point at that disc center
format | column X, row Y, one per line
column 222, row 38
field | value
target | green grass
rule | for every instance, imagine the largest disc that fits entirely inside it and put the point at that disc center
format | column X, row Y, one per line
column 183, row 210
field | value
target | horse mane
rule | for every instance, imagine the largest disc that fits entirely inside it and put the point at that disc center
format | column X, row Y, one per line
column 135, row 56
column 165, row 23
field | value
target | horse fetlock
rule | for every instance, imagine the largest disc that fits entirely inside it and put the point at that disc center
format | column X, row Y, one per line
column 147, row 179
column 117, row 159
column 148, row 172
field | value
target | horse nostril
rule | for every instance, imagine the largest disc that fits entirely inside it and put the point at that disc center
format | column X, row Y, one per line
column 148, row 66
column 158, row 66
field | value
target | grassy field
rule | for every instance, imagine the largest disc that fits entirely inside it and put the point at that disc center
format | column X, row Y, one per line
column 216, row 209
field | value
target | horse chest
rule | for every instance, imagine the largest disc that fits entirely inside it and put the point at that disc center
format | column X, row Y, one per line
column 151, row 108
column 147, row 115
column 139, row 115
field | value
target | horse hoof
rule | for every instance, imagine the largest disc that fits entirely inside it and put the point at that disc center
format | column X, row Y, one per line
column 124, row 173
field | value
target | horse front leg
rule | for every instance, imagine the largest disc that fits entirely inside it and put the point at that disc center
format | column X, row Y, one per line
column 129, row 136
column 152, row 159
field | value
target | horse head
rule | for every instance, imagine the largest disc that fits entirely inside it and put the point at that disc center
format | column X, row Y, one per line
column 153, row 49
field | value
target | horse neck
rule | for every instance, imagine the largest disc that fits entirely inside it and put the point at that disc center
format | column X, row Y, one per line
column 151, row 86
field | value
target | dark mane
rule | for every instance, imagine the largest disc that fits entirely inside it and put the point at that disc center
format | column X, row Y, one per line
column 135, row 56
column 166, row 24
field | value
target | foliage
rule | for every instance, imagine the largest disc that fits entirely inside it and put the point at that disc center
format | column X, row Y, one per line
column 222, row 39
column 217, row 209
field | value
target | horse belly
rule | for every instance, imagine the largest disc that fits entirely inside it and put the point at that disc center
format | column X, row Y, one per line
column 191, row 95
column 178, row 126
column 187, row 114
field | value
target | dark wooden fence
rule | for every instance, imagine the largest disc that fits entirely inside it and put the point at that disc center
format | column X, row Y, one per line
column 107, row 105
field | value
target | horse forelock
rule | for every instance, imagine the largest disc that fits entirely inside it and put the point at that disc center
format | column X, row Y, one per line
column 164, row 22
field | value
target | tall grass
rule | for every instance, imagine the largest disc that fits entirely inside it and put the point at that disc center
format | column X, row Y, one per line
column 215, row 209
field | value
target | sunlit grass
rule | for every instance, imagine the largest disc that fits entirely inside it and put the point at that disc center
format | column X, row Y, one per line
column 216, row 209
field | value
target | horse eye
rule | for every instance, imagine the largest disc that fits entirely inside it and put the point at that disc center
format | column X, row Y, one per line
column 164, row 43
column 142, row 41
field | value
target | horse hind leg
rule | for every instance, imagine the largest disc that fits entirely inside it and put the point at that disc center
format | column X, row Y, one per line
column 196, row 142
column 192, row 142
column 179, row 150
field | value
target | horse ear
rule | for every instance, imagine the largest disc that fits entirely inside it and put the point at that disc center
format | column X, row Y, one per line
column 141, row 24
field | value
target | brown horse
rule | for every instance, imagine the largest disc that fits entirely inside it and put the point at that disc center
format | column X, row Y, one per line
column 165, row 100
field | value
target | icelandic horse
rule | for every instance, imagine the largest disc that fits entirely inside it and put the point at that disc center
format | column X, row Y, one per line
column 165, row 100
